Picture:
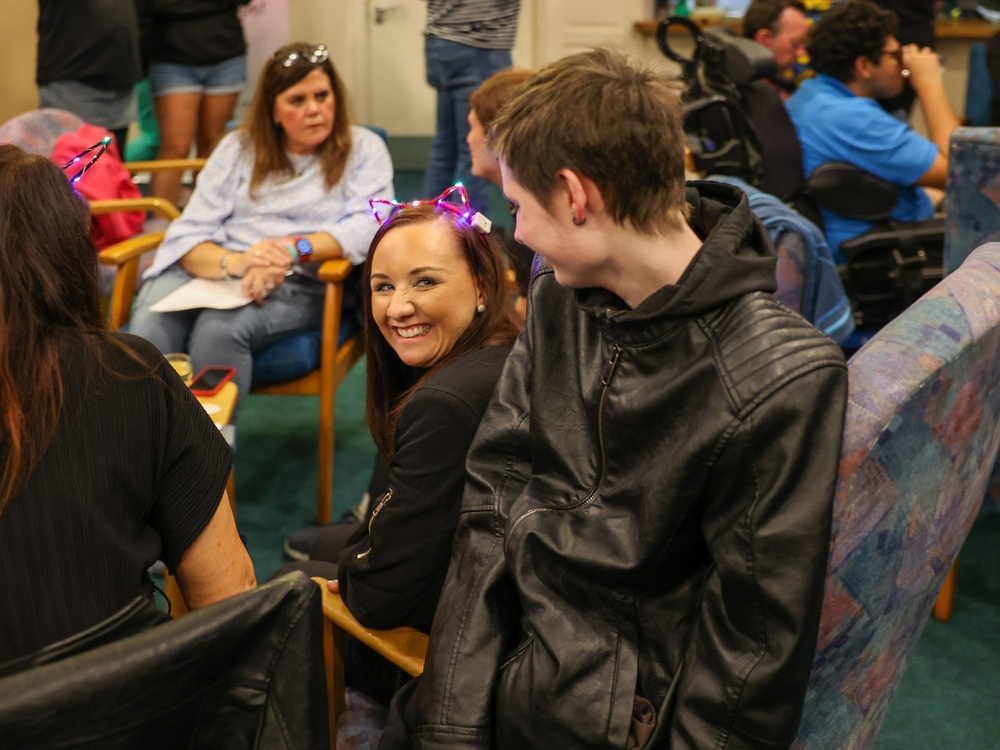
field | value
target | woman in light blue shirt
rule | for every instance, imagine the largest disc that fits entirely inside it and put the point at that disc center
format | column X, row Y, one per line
column 277, row 197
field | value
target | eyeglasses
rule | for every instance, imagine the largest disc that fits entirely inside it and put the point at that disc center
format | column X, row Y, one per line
column 101, row 146
column 384, row 210
column 317, row 54
column 896, row 54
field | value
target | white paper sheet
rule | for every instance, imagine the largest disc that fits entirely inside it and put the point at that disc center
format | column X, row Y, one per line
column 217, row 294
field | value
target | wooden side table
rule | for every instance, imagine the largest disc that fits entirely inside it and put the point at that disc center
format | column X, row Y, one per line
column 220, row 406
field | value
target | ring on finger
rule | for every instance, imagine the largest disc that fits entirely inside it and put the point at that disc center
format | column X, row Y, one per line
column 256, row 253
column 268, row 286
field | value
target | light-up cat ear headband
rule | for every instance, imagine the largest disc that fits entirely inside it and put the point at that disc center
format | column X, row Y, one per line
column 101, row 146
column 384, row 210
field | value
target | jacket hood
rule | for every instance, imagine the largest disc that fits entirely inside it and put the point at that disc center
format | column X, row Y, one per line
column 736, row 257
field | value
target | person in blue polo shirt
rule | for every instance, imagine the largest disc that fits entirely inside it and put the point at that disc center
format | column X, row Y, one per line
column 858, row 60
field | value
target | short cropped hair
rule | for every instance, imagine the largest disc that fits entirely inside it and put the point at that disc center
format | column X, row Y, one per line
column 604, row 117
column 495, row 91
column 765, row 14
column 857, row 28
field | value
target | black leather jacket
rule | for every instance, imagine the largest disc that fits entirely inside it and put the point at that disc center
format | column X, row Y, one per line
column 647, row 513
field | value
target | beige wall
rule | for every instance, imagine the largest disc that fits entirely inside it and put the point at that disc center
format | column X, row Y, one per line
column 341, row 26
column 18, row 40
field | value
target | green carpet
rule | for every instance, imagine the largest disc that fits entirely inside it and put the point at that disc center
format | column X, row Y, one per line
column 950, row 693
column 276, row 465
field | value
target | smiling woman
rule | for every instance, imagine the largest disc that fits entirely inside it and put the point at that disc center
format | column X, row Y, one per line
column 439, row 325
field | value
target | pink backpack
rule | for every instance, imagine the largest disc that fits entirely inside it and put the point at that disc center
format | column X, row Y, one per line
column 108, row 178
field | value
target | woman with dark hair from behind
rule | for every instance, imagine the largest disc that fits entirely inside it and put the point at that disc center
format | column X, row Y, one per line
column 107, row 462
column 438, row 328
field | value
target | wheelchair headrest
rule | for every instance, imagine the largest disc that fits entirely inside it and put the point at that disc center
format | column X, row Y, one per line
column 724, row 56
column 852, row 192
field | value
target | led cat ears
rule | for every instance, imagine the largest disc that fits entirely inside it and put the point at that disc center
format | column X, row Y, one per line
column 101, row 146
column 384, row 210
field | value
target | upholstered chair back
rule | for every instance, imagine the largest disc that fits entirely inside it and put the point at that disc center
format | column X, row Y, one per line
column 920, row 440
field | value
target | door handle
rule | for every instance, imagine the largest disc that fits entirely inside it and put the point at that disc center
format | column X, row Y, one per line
column 381, row 10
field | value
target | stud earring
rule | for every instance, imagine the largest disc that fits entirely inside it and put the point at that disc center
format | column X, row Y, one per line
column 481, row 308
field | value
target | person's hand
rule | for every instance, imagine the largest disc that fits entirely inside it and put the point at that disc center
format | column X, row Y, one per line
column 260, row 281
column 262, row 254
column 922, row 63
column 333, row 586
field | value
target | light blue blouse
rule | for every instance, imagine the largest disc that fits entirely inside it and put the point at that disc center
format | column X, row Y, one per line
column 222, row 211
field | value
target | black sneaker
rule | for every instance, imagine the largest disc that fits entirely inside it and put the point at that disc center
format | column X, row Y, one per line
column 297, row 545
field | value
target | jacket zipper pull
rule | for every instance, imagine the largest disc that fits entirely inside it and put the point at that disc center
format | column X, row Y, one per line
column 609, row 368
column 378, row 509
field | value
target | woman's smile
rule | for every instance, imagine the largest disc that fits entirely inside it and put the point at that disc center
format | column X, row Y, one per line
column 413, row 331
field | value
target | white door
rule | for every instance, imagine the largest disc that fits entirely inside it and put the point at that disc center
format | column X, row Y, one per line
column 562, row 27
column 394, row 84
column 394, row 93
column 378, row 47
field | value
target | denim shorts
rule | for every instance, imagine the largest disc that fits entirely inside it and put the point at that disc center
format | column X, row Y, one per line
column 226, row 77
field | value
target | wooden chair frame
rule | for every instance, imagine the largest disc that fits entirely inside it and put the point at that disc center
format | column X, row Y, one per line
column 165, row 165
column 404, row 647
column 336, row 359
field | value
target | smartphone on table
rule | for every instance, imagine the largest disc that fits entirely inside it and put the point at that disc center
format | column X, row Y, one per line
column 211, row 379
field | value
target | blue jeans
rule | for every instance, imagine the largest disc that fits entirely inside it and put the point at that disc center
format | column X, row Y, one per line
column 456, row 70
column 226, row 337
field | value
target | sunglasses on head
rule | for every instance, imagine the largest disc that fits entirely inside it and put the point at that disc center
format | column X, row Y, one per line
column 101, row 146
column 317, row 54
column 385, row 210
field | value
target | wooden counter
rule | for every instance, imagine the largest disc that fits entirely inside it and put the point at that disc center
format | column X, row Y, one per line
column 945, row 28
column 964, row 28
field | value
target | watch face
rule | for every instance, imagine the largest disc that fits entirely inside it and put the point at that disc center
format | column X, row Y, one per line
column 303, row 247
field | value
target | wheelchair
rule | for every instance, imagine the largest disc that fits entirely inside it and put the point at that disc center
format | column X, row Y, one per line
column 736, row 125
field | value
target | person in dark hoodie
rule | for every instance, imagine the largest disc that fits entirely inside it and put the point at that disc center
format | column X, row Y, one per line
column 642, row 547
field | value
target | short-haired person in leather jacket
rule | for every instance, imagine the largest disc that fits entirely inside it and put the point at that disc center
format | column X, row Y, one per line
column 644, row 533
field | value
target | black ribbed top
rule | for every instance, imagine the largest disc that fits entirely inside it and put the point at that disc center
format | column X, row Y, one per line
column 135, row 473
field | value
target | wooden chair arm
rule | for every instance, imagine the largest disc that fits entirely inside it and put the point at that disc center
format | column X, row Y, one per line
column 334, row 270
column 158, row 206
column 125, row 255
column 122, row 252
column 164, row 165
column 404, row 647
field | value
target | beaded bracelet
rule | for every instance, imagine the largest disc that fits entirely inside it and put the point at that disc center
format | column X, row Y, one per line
column 222, row 264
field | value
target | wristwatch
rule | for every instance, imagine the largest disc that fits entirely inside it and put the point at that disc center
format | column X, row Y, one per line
column 304, row 248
